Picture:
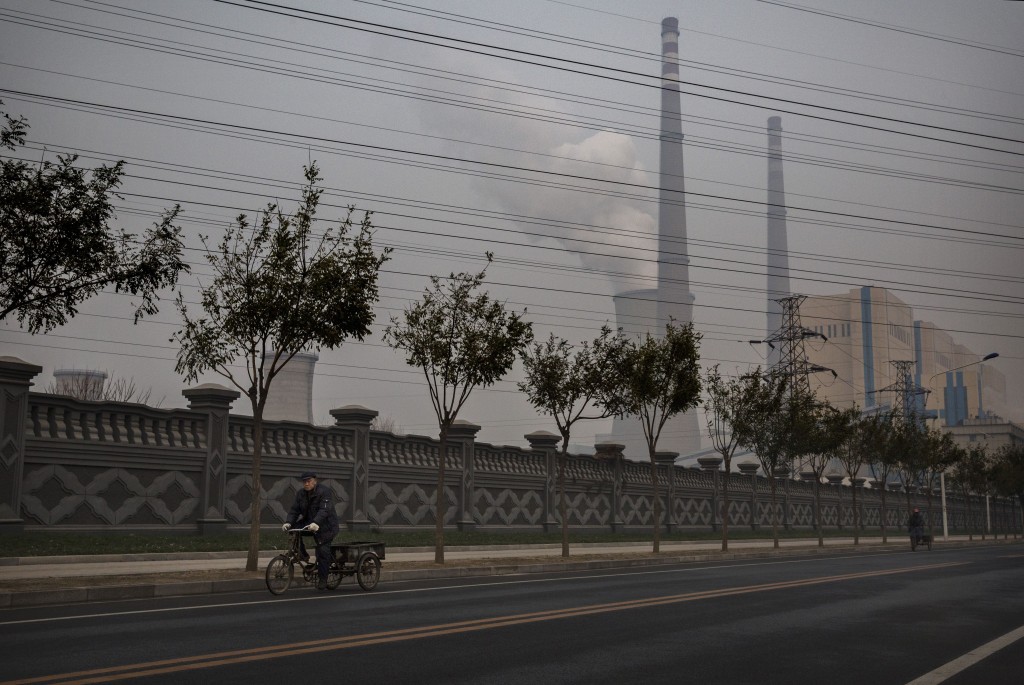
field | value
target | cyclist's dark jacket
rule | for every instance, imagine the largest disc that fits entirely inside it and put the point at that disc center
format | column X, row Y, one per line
column 315, row 506
column 916, row 520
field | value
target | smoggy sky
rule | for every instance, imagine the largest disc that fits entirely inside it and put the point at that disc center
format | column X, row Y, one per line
column 529, row 129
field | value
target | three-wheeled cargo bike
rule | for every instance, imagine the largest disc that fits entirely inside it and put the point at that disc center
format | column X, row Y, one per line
column 360, row 559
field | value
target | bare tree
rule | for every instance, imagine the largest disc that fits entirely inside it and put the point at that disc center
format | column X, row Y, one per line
column 969, row 474
column 657, row 379
column 571, row 385
column 723, row 405
column 461, row 341
column 852, row 456
column 59, row 248
column 278, row 288
column 882, row 446
column 112, row 389
column 832, row 428
column 388, row 424
column 772, row 424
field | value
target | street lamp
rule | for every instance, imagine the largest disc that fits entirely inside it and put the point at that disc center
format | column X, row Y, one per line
column 942, row 474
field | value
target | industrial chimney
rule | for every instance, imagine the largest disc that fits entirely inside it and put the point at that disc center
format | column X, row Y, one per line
column 778, row 249
column 673, row 298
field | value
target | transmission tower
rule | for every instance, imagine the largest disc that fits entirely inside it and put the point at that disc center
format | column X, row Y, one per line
column 905, row 390
column 789, row 340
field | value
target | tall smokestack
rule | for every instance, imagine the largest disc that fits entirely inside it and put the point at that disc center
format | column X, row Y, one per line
column 674, row 298
column 778, row 250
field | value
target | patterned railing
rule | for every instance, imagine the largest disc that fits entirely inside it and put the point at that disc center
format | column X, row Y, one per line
column 101, row 465
column 57, row 417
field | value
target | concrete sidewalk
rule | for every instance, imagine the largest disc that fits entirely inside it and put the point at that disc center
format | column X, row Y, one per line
column 81, row 578
column 131, row 564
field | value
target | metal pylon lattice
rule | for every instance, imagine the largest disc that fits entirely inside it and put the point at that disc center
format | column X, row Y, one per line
column 789, row 340
column 904, row 389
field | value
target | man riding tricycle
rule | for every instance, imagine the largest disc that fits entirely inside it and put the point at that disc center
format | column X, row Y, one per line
column 314, row 511
column 916, row 527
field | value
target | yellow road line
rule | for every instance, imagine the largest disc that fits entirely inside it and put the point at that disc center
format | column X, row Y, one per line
column 190, row 663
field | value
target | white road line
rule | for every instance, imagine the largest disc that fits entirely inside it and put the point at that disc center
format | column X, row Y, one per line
column 947, row 671
column 321, row 597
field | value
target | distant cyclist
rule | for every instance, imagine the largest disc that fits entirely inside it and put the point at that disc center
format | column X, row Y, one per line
column 916, row 527
column 314, row 509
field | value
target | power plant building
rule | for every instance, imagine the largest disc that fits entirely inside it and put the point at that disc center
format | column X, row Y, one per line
column 869, row 327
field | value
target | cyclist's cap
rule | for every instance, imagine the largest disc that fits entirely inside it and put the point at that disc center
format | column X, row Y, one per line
column 307, row 474
column 915, row 508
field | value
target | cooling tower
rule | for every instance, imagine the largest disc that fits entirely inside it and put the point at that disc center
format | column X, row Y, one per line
column 291, row 393
column 778, row 249
column 80, row 383
column 636, row 312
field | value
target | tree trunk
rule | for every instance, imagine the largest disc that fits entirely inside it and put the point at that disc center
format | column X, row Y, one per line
column 725, row 507
column 885, row 539
column 817, row 510
column 970, row 517
column 775, row 513
column 657, row 502
column 256, row 507
column 928, row 506
column 856, row 515
column 441, row 501
column 561, row 496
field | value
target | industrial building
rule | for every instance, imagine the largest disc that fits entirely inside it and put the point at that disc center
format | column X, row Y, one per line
column 867, row 328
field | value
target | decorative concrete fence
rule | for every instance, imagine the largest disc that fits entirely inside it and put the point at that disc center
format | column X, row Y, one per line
column 74, row 465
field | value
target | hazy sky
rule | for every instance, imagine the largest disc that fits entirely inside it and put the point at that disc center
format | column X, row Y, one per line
column 529, row 128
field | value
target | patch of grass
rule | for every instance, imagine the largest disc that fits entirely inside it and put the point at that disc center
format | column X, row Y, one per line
column 64, row 544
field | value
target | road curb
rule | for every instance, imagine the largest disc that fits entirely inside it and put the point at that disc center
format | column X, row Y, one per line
column 31, row 598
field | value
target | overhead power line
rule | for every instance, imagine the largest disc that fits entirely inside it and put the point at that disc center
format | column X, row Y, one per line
column 420, row 37
column 507, row 167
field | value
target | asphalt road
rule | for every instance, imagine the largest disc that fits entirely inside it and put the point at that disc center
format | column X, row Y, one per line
column 876, row 618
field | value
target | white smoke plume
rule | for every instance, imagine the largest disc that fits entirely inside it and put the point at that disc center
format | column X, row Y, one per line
column 622, row 231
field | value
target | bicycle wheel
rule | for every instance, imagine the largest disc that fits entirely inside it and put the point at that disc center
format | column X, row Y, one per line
column 279, row 574
column 334, row 576
column 368, row 571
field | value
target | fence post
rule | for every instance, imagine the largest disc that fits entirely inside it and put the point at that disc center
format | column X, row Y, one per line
column 214, row 401
column 781, row 475
column 749, row 468
column 668, row 460
column 612, row 453
column 547, row 444
column 710, row 465
column 836, row 480
column 358, row 420
column 464, row 434
column 810, row 477
column 15, row 380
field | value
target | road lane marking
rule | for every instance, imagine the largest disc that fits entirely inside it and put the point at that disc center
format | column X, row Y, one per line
column 498, row 580
column 947, row 671
column 195, row 662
